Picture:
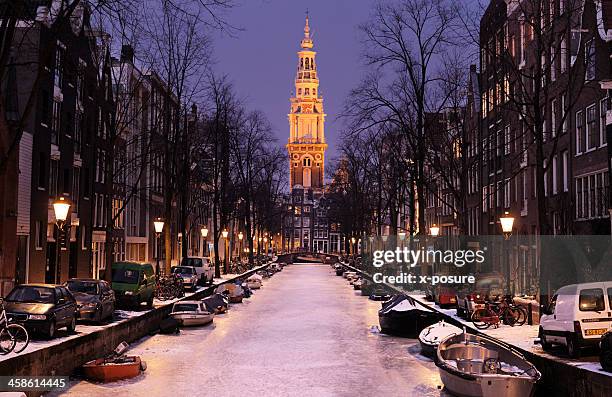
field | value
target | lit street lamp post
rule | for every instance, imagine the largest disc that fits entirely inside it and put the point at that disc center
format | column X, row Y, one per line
column 204, row 232
column 224, row 233
column 507, row 223
column 240, row 236
column 434, row 231
column 159, row 227
column 61, row 206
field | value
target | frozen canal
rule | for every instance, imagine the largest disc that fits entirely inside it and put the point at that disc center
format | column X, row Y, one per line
column 305, row 333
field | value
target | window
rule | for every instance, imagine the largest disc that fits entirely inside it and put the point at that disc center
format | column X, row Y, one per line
column 592, row 133
column 591, row 300
column 83, row 237
column 56, row 120
column 580, row 141
column 592, row 195
column 563, row 113
column 507, row 140
column 58, row 70
column 306, row 91
column 78, row 121
column 603, row 109
column 299, row 91
column 507, row 193
column 553, row 117
column 314, row 91
column 76, row 187
column 39, row 236
column 563, row 55
column 53, row 178
column 546, row 177
column 589, row 60
column 555, row 174
column 565, row 173
column 307, row 162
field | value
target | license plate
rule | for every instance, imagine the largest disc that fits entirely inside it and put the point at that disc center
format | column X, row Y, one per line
column 597, row 331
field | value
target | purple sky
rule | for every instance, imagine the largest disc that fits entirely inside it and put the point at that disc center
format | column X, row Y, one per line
column 261, row 60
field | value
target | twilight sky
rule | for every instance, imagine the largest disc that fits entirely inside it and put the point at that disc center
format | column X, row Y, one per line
column 261, row 60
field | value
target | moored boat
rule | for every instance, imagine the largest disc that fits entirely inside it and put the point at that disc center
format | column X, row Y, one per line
column 402, row 315
column 115, row 367
column 191, row 313
column 430, row 337
column 254, row 281
column 476, row 366
column 216, row 303
column 234, row 292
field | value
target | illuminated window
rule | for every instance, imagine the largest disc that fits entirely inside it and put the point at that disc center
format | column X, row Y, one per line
column 307, row 162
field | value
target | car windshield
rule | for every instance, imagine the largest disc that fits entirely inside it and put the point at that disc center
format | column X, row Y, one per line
column 185, row 307
column 197, row 262
column 182, row 270
column 86, row 287
column 128, row 276
column 29, row 294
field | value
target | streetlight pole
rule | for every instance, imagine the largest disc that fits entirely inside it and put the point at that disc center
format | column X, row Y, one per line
column 61, row 206
column 224, row 233
column 507, row 222
column 158, row 224
column 240, row 236
column 434, row 231
column 204, row 232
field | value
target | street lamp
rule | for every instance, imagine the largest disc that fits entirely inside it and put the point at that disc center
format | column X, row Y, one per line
column 224, row 233
column 353, row 246
column 434, row 230
column 507, row 222
column 240, row 236
column 61, row 206
column 158, row 224
column 204, row 232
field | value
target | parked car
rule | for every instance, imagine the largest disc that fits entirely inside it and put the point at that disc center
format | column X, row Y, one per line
column 133, row 283
column 205, row 269
column 445, row 296
column 189, row 275
column 42, row 308
column 95, row 298
column 577, row 316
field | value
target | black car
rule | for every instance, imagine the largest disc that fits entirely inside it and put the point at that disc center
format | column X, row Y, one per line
column 95, row 298
column 42, row 308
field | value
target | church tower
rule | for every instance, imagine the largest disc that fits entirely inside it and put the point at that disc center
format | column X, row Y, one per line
column 306, row 144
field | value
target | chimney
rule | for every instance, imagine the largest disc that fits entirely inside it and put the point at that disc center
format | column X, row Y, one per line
column 127, row 53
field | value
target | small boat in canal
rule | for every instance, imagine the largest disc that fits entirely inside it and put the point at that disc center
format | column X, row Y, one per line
column 192, row 313
column 476, row 366
column 233, row 291
column 380, row 294
column 430, row 337
column 216, row 303
column 116, row 366
column 254, row 281
column 403, row 316
column 357, row 283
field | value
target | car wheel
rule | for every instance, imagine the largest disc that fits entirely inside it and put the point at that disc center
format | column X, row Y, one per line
column 573, row 350
column 72, row 326
column 51, row 330
column 546, row 346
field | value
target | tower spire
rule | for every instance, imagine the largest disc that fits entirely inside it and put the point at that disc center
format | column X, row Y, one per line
column 307, row 41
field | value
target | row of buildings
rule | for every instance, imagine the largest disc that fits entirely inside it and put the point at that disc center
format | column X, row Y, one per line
column 94, row 130
column 537, row 109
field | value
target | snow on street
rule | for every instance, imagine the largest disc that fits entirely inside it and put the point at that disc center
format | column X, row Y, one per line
column 306, row 333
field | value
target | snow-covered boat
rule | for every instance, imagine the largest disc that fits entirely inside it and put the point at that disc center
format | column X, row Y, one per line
column 357, row 284
column 402, row 315
column 476, row 366
column 234, row 292
column 191, row 313
column 254, row 281
column 430, row 337
column 115, row 367
column 216, row 303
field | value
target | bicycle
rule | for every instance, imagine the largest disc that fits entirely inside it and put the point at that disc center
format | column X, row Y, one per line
column 492, row 313
column 13, row 336
column 169, row 287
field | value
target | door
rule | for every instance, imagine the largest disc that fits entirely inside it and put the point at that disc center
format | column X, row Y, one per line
column 21, row 267
column 72, row 261
column 60, row 308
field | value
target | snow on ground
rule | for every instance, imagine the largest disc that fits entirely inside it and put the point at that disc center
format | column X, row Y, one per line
column 522, row 337
column 88, row 328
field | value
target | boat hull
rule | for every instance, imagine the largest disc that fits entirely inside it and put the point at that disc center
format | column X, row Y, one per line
column 254, row 284
column 236, row 299
column 487, row 386
column 407, row 324
column 428, row 349
column 100, row 371
column 193, row 319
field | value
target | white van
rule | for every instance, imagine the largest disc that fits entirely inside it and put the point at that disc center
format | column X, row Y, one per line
column 577, row 316
column 203, row 266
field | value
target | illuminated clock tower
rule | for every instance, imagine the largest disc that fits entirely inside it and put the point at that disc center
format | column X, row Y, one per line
column 306, row 145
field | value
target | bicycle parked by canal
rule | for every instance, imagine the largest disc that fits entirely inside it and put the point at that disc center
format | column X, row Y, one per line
column 495, row 312
column 13, row 336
